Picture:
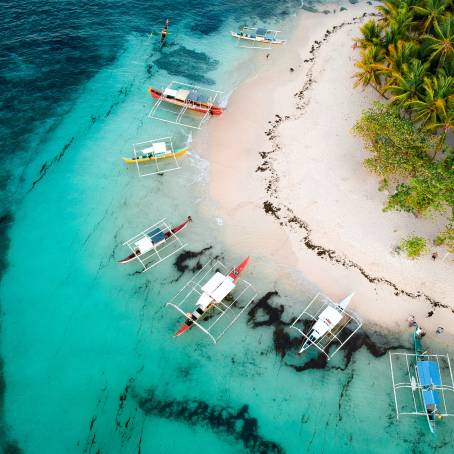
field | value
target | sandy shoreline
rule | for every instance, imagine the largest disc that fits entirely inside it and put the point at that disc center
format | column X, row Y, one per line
column 284, row 146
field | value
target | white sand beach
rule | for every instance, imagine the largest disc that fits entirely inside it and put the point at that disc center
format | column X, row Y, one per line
column 288, row 145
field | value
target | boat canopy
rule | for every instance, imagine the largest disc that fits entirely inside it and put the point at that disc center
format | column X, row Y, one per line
column 429, row 376
column 156, row 235
column 195, row 96
column 261, row 32
column 328, row 319
column 218, row 287
column 170, row 93
column 159, row 148
column 144, row 244
column 182, row 95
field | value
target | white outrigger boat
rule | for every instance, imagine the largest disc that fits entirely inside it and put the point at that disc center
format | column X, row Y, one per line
column 212, row 289
column 259, row 36
column 329, row 323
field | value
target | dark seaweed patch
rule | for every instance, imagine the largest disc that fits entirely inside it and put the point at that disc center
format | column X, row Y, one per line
column 47, row 165
column 236, row 423
column 188, row 63
column 181, row 262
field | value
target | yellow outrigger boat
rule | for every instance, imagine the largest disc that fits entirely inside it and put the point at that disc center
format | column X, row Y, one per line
column 154, row 153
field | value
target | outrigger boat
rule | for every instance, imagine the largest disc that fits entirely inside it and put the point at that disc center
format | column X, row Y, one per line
column 152, row 240
column 259, row 35
column 327, row 321
column 430, row 386
column 187, row 99
column 155, row 152
column 427, row 379
column 213, row 292
column 326, row 325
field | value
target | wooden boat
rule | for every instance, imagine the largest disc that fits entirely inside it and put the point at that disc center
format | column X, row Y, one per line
column 164, row 32
column 259, row 35
column 152, row 240
column 214, row 291
column 150, row 154
column 189, row 99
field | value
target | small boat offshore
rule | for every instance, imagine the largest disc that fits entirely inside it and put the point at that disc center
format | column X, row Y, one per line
column 188, row 99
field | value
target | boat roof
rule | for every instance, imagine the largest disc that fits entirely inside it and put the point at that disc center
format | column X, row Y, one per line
column 159, row 147
column 261, row 31
column 182, row 95
column 429, row 375
column 156, row 235
column 170, row 92
column 144, row 244
column 218, row 287
column 199, row 97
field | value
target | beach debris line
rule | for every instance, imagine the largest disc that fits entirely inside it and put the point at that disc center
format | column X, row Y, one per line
column 156, row 156
column 423, row 383
column 326, row 325
column 284, row 214
column 257, row 38
column 155, row 244
column 185, row 97
column 220, row 298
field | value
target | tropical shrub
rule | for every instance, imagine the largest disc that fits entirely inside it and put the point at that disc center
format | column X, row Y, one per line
column 414, row 246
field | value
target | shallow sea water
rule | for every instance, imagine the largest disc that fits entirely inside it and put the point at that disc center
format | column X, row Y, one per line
column 89, row 361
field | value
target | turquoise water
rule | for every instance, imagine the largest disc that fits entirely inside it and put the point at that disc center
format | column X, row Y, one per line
column 89, row 361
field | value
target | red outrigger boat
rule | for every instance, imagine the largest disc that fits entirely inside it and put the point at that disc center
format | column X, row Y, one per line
column 152, row 240
column 189, row 99
column 214, row 291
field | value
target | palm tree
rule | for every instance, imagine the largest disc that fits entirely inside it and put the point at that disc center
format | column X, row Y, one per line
column 389, row 9
column 433, row 103
column 371, row 67
column 431, row 10
column 400, row 54
column 371, row 35
column 441, row 43
column 407, row 83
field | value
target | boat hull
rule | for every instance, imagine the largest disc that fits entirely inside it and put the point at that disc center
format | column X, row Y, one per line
column 177, row 154
column 194, row 106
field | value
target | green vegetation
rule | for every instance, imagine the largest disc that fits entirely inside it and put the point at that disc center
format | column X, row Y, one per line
column 414, row 246
column 407, row 55
column 446, row 238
